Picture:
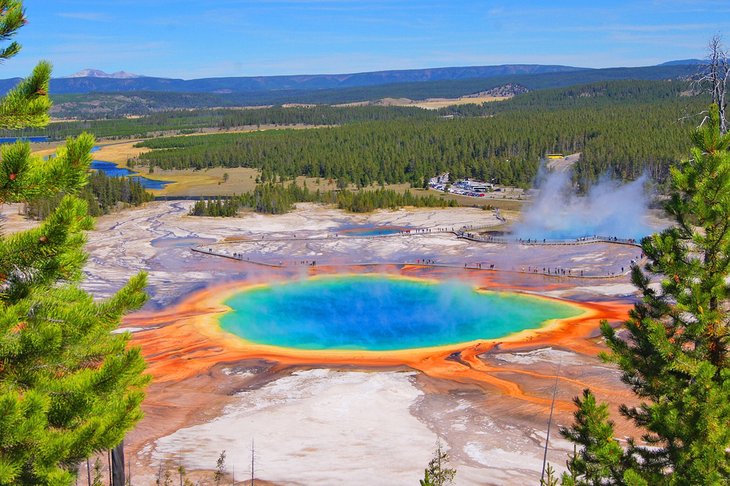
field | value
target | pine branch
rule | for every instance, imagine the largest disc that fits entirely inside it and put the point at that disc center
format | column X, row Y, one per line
column 28, row 103
column 12, row 18
column 45, row 254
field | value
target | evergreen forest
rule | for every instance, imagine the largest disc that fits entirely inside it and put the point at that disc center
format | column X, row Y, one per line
column 102, row 195
column 278, row 199
column 505, row 148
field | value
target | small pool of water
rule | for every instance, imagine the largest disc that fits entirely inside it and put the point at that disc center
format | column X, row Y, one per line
column 183, row 242
column 370, row 230
column 25, row 139
column 111, row 169
column 381, row 313
column 150, row 183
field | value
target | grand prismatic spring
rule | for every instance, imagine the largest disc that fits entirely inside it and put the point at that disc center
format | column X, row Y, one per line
column 381, row 313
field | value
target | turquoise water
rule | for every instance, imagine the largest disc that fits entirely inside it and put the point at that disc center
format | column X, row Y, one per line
column 370, row 230
column 381, row 313
column 182, row 242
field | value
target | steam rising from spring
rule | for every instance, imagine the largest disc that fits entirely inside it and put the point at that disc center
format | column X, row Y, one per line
column 608, row 209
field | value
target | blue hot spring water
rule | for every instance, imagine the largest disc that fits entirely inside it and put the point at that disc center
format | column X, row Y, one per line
column 369, row 230
column 381, row 313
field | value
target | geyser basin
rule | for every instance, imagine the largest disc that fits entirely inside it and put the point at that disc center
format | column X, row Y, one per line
column 381, row 313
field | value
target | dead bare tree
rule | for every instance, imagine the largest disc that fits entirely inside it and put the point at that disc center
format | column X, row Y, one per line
column 713, row 76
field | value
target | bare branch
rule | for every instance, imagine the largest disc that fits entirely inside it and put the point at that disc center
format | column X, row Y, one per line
column 712, row 77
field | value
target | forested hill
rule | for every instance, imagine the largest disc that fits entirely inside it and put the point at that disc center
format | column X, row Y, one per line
column 145, row 99
column 599, row 95
column 623, row 140
column 86, row 84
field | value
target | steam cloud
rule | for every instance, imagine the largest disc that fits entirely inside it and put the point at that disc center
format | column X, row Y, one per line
column 609, row 209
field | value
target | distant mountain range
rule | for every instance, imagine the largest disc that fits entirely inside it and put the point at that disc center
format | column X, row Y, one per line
column 96, row 73
column 684, row 62
column 95, row 81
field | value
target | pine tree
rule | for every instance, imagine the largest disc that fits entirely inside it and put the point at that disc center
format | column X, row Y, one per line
column 68, row 387
column 550, row 477
column 675, row 358
column 98, row 479
column 220, row 468
column 438, row 473
column 601, row 455
column 426, row 481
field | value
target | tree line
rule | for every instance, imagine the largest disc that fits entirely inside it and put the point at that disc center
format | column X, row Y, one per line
column 195, row 120
column 116, row 125
column 279, row 198
column 597, row 95
column 102, row 195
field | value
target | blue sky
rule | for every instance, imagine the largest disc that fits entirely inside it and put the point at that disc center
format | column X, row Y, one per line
column 192, row 39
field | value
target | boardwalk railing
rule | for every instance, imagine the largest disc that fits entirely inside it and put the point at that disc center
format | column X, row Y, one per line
column 467, row 233
column 472, row 236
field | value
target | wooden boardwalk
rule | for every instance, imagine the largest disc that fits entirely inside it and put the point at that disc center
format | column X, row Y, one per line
column 466, row 233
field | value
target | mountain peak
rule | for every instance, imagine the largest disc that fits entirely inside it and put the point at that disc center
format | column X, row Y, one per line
column 96, row 73
column 684, row 62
